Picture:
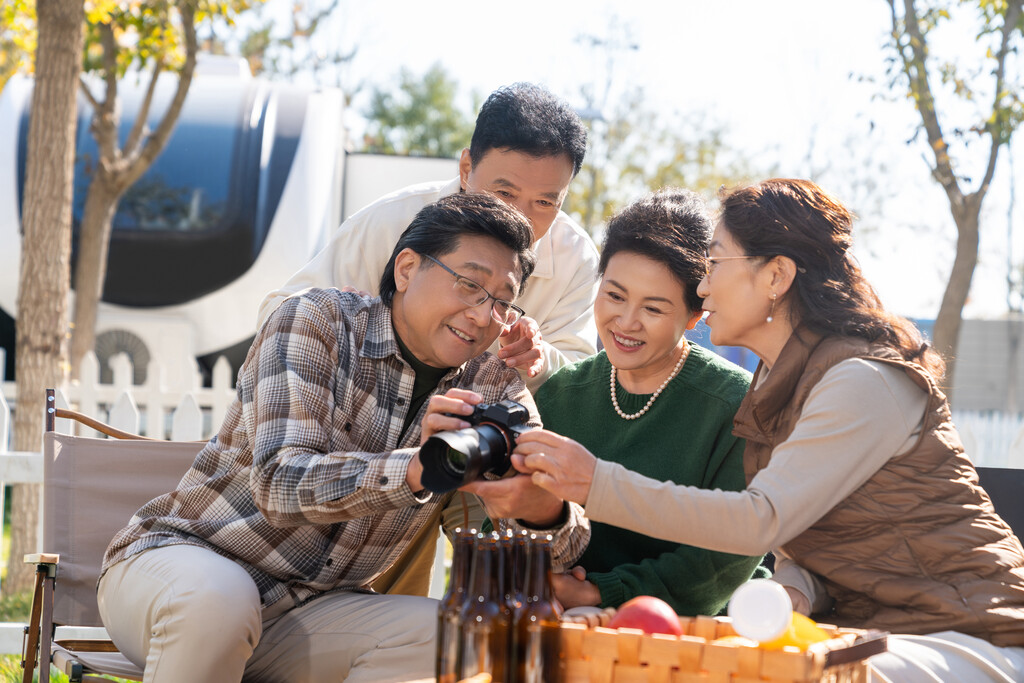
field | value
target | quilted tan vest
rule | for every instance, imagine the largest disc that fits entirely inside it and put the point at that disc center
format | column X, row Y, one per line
column 918, row 548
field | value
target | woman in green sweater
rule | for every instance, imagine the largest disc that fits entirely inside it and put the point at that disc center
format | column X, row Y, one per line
column 655, row 403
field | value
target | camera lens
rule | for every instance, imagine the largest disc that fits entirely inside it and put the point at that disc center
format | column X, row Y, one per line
column 455, row 461
column 451, row 459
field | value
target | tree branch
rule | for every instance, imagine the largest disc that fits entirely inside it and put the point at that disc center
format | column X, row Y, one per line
column 158, row 140
column 994, row 127
column 139, row 128
column 84, row 88
column 311, row 25
column 916, row 68
column 104, row 123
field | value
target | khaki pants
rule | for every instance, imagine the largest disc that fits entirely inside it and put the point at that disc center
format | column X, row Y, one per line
column 949, row 657
column 184, row 613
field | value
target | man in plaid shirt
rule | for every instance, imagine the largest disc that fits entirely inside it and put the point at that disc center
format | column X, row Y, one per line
column 255, row 565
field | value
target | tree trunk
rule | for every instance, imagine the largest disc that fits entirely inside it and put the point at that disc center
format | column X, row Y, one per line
column 117, row 170
column 91, row 270
column 947, row 323
column 45, row 252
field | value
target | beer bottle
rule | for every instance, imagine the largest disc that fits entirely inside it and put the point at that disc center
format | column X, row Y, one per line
column 485, row 622
column 520, row 547
column 515, row 595
column 450, row 607
column 512, row 588
column 536, row 630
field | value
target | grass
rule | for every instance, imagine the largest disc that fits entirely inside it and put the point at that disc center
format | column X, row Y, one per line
column 16, row 608
column 10, row 671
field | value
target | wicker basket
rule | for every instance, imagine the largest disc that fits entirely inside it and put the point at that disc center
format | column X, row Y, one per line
column 595, row 654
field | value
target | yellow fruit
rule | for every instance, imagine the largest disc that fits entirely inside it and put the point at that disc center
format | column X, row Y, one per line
column 736, row 640
column 801, row 633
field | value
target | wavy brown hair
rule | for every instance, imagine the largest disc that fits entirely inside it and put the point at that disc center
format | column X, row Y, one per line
column 797, row 219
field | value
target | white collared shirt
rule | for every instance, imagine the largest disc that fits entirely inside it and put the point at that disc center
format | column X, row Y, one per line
column 559, row 294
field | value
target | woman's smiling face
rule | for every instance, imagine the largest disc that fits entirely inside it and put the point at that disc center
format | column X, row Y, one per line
column 641, row 315
column 737, row 308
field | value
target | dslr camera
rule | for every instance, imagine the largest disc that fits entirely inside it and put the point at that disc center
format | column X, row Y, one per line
column 451, row 459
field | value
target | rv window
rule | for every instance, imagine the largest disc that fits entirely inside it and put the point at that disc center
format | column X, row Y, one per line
column 187, row 187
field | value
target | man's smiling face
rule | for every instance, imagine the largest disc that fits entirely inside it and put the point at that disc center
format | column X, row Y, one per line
column 535, row 185
column 434, row 324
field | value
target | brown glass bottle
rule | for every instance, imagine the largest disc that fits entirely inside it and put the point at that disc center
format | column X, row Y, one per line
column 520, row 548
column 536, row 629
column 450, row 607
column 516, row 546
column 486, row 622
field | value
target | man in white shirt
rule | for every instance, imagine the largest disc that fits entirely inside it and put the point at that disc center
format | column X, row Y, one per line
column 526, row 148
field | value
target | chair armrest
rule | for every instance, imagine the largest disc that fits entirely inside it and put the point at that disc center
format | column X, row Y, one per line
column 42, row 558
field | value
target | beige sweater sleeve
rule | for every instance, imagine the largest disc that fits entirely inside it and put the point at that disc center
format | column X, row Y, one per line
column 858, row 416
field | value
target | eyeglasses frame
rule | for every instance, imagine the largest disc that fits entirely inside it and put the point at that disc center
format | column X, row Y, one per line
column 713, row 260
column 490, row 297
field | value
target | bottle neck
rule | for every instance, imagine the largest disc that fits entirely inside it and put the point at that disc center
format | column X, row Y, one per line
column 507, row 555
column 487, row 574
column 538, row 576
column 520, row 557
column 462, row 557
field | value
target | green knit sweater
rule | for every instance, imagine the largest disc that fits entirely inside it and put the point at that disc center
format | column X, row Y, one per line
column 685, row 437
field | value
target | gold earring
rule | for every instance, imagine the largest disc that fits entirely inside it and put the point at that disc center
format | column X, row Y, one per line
column 771, row 311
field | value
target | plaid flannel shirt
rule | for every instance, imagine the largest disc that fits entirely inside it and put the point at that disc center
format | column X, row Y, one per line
column 304, row 485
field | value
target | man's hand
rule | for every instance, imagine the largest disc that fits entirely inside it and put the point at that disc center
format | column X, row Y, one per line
column 516, row 497
column 573, row 590
column 556, row 464
column 520, row 346
column 438, row 419
column 353, row 290
column 456, row 402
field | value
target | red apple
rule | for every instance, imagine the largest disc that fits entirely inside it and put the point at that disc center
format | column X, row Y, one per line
column 649, row 614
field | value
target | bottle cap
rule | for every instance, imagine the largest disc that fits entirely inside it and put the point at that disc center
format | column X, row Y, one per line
column 761, row 610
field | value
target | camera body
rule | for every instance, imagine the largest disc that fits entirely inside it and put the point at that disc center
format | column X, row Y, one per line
column 452, row 459
column 509, row 416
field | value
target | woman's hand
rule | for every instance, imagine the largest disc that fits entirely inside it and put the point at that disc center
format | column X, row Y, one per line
column 800, row 601
column 573, row 590
column 556, row 464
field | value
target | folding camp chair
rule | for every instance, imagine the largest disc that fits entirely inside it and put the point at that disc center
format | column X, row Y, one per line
column 1006, row 489
column 91, row 488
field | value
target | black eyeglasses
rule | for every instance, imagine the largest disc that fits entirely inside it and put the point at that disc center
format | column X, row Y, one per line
column 472, row 294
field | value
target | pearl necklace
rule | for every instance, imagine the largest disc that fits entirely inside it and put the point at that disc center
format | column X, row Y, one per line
column 656, row 394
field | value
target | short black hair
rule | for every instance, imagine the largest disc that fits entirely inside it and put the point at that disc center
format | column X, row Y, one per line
column 671, row 226
column 437, row 228
column 527, row 118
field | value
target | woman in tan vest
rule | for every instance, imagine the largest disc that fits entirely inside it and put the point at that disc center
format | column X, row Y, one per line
column 856, row 476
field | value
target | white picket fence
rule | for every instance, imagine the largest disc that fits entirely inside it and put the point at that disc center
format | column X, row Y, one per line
column 151, row 408
column 992, row 439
